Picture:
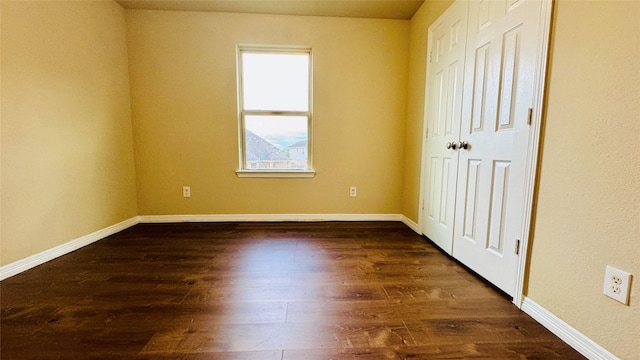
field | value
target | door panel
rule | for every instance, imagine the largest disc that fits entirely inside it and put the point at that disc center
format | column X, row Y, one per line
column 479, row 99
column 498, row 87
column 499, row 194
column 511, row 45
column 442, row 115
column 471, row 186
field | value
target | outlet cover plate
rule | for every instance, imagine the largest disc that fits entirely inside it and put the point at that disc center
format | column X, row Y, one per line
column 617, row 284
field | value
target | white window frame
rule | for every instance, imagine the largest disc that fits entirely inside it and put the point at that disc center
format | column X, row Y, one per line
column 243, row 169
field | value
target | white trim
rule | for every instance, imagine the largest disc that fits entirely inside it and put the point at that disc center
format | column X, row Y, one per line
column 533, row 149
column 566, row 332
column 242, row 112
column 276, row 174
column 411, row 224
column 267, row 217
column 27, row 263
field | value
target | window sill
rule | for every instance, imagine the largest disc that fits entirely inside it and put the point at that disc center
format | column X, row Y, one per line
column 276, row 174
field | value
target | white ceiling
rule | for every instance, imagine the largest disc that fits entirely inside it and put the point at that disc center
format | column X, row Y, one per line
column 379, row 9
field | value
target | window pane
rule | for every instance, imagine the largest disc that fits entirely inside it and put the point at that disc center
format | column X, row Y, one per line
column 276, row 142
column 275, row 81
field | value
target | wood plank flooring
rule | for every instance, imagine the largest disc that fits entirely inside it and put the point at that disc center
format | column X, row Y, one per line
column 294, row 291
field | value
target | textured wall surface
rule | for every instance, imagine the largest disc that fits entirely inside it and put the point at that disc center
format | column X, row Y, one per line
column 588, row 213
column 67, row 151
column 183, row 85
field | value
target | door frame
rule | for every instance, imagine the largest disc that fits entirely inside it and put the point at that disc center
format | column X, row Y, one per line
column 533, row 145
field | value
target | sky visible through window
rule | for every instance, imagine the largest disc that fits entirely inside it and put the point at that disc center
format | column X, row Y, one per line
column 275, row 81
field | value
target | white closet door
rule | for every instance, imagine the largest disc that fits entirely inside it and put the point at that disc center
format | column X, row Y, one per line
column 442, row 114
column 501, row 55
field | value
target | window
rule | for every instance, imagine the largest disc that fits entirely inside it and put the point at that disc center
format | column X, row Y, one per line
column 274, row 97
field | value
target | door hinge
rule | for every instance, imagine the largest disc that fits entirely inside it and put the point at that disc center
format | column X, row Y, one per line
column 529, row 116
column 517, row 249
column 426, row 133
column 430, row 56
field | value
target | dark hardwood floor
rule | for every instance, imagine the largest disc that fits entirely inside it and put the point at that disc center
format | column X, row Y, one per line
column 294, row 291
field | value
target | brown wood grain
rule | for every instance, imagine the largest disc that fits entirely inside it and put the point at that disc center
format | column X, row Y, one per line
column 332, row 290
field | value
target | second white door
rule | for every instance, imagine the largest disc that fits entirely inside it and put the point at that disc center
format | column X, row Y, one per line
column 442, row 115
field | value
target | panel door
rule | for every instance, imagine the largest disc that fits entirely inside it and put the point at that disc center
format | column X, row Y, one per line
column 502, row 43
column 443, row 113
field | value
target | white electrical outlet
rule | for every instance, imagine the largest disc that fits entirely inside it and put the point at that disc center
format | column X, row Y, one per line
column 186, row 191
column 353, row 191
column 617, row 284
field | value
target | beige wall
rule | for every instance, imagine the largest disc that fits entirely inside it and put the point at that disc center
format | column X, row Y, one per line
column 183, row 85
column 588, row 213
column 67, row 159
column 419, row 26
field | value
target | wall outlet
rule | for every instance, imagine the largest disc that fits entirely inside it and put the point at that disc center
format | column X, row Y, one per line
column 353, row 191
column 186, row 191
column 617, row 284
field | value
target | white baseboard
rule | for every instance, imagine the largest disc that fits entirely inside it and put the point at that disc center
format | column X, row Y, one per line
column 27, row 263
column 410, row 223
column 582, row 344
column 19, row 266
column 267, row 217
